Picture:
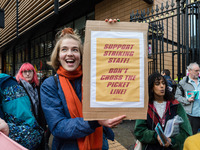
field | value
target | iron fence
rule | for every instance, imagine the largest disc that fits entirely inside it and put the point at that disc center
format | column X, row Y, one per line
column 173, row 35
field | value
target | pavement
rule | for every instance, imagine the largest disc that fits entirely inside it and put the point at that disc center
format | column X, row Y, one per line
column 124, row 137
column 115, row 145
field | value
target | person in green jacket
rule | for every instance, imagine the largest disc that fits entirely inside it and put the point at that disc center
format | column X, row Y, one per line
column 162, row 107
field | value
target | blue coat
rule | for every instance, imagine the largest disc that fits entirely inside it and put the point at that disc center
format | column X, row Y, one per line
column 65, row 130
column 168, row 79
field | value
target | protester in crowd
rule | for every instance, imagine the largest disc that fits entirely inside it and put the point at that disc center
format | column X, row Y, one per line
column 44, row 76
column 61, row 99
column 27, row 78
column 192, row 142
column 162, row 107
column 166, row 74
column 171, row 84
column 191, row 104
column 17, row 120
column 181, row 77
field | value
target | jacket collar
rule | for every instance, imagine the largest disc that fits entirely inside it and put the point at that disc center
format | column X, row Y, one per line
column 152, row 111
column 187, row 79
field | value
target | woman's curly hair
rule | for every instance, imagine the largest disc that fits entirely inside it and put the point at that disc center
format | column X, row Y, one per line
column 169, row 96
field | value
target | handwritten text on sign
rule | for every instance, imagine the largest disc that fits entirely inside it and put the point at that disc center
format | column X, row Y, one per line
column 117, row 69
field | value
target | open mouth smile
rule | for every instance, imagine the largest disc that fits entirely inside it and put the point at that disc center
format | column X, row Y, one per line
column 70, row 61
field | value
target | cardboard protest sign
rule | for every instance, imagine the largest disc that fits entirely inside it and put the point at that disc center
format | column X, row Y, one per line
column 115, row 71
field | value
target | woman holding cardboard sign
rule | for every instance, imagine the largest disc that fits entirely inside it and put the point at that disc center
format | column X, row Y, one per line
column 162, row 107
column 61, row 98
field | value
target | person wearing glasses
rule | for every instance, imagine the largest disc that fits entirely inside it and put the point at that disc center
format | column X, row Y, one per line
column 27, row 78
column 189, row 95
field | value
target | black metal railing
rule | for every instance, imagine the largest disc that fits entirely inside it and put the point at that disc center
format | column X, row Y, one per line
column 173, row 35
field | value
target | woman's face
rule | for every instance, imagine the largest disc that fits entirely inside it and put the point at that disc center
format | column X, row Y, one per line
column 159, row 88
column 69, row 54
column 28, row 75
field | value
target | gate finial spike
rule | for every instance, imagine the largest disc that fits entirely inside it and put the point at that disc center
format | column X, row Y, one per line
column 162, row 8
column 152, row 11
column 172, row 4
column 157, row 9
column 167, row 6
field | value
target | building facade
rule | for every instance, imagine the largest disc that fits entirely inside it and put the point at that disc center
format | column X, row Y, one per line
column 30, row 28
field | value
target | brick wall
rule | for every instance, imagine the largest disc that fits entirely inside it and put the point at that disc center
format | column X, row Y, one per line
column 118, row 9
column 122, row 9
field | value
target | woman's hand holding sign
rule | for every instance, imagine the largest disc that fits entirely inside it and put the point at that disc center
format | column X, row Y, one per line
column 112, row 122
column 112, row 20
column 4, row 127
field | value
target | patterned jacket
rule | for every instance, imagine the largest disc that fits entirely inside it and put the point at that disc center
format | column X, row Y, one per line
column 16, row 108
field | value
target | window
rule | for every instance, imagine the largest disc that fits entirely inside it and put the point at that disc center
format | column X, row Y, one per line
column 9, row 61
column 48, row 44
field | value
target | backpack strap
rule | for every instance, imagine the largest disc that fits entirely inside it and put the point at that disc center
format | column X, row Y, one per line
column 56, row 80
column 181, row 88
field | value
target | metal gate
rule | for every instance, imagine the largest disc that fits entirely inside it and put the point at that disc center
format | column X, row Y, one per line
column 173, row 35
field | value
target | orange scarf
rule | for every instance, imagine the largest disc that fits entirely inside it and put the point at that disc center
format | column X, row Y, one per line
column 93, row 141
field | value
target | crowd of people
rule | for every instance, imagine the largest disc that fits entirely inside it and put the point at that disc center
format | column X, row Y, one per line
column 165, row 103
column 28, row 109
column 58, row 99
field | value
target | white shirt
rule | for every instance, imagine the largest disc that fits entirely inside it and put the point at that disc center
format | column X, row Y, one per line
column 160, row 107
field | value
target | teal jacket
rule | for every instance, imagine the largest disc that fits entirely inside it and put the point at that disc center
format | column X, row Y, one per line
column 145, row 133
column 16, row 110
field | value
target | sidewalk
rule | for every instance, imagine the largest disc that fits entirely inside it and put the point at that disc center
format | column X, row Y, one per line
column 114, row 145
column 124, row 134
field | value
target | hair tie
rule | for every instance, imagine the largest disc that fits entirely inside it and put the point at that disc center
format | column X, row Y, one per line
column 67, row 31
